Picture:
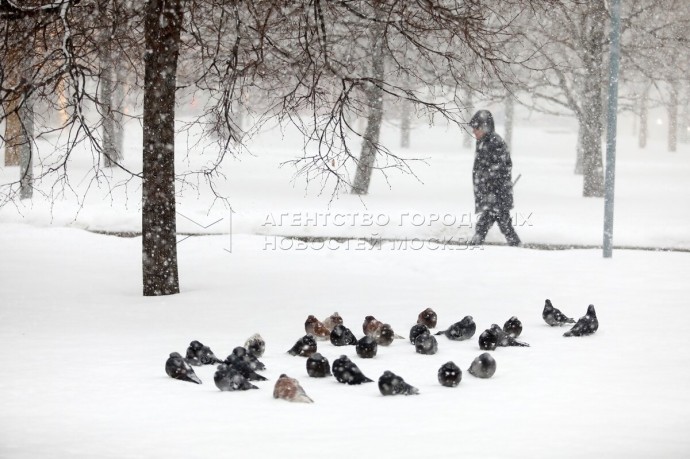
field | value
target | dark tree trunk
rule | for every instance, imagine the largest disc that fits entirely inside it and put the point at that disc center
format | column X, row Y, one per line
column 367, row 159
column 591, row 116
column 163, row 22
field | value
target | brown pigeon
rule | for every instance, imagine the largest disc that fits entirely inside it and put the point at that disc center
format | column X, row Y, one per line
column 289, row 389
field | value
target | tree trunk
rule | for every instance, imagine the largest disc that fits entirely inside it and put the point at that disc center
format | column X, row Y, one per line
column 13, row 125
column 468, row 138
column 120, row 108
column 367, row 158
column 684, row 124
column 163, row 22
column 13, row 133
column 593, row 169
column 579, row 168
column 644, row 118
column 106, row 99
column 405, row 124
column 510, row 114
column 26, row 116
column 673, row 120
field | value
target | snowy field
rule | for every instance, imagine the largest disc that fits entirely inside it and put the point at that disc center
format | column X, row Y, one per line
column 85, row 352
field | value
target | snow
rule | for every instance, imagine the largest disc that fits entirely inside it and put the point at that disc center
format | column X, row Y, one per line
column 85, row 351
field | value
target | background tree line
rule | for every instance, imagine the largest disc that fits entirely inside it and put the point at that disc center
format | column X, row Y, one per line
column 78, row 68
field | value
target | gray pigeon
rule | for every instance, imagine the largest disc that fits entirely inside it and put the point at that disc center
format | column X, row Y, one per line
column 178, row 368
column 483, row 366
column 586, row 325
column 392, row 384
column 553, row 316
column 229, row 379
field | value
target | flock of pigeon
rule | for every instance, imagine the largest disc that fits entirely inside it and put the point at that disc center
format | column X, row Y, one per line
column 240, row 367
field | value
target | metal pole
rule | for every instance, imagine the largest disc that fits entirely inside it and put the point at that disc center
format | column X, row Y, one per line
column 611, row 128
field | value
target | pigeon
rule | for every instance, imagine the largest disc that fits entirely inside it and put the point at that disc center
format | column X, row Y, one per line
column 417, row 330
column 553, row 316
column 198, row 354
column 240, row 353
column 392, row 384
column 483, row 366
column 342, row 336
column 427, row 317
column 488, row 341
column 371, row 325
column 255, row 345
column 228, row 378
column 513, row 327
column 243, row 368
column 304, row 347
column 504, row 339
column 318, row 366
column 178, row 368
column 314, row 327
column 346, row 372
column 460, row 331
column 385, row 335
column 367, row 347
column 289, row 389
column 449, row 374
column 382, row 333
column 426, row 344
column 586, row 325
column 331, row 321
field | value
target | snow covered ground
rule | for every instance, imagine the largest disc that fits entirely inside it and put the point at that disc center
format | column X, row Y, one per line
column 85, row 352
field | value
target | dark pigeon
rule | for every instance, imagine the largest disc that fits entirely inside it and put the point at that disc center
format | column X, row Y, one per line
column 392, row 384
column 417, row 330
column 342, row 336
column 178, row 368
column 449, row 375
column 243, row 367
column 483, row 366
column 488, row 341
column 346, row 372
column 367, row 347
column 503, row 339
column 385, row 335
column 553, row 316
column 586, row 325
column 318, row 366
column 513, row 327
column 426, row 344
column 198, row 354
column 229, row 379
column 304, row 347
column 460, row 331
column 244, row 355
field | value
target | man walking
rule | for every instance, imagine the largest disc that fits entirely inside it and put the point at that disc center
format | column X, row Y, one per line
column 493, row 185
